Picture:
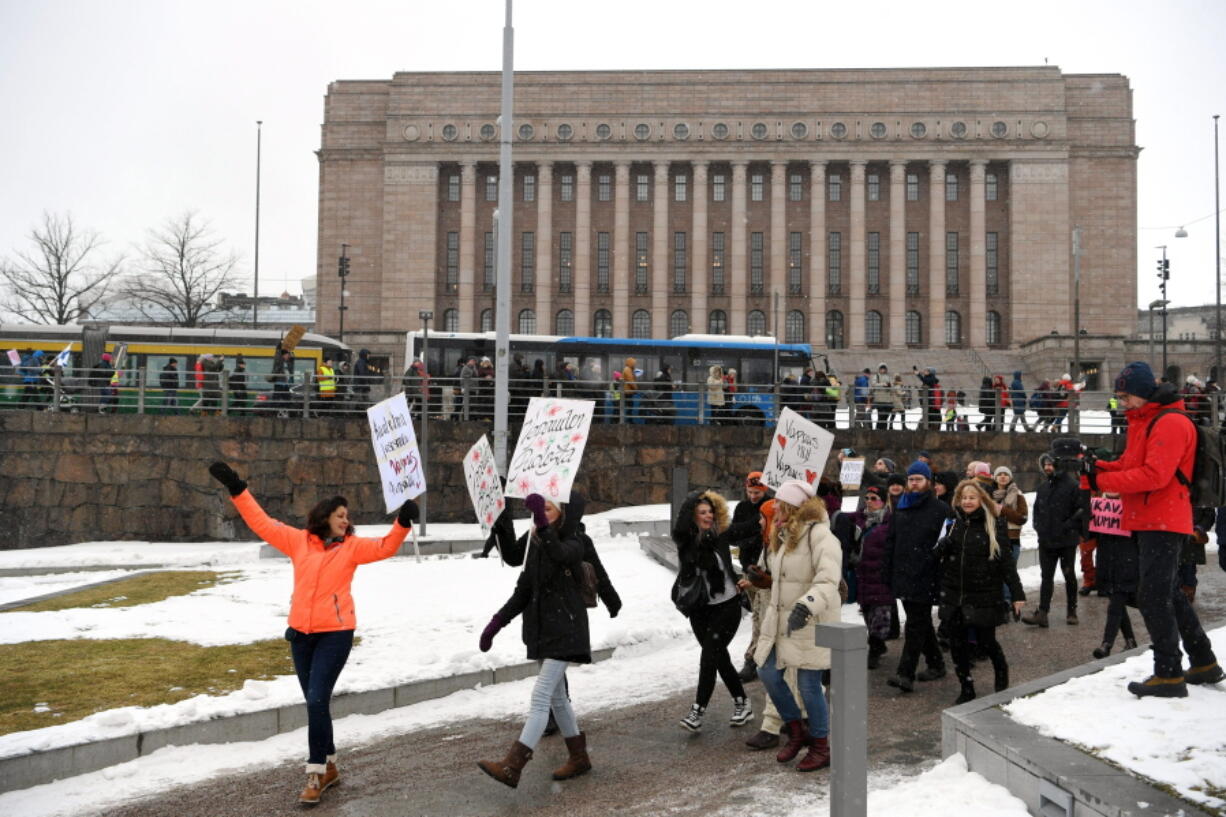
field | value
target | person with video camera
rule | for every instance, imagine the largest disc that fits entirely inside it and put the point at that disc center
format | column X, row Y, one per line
column 1153, row 478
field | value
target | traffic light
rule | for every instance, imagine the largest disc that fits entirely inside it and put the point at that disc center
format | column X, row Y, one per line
column 342, row 267
column 1164, row 269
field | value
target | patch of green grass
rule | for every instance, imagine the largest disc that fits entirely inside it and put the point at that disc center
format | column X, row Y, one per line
column 69, row 679
column 146, row 588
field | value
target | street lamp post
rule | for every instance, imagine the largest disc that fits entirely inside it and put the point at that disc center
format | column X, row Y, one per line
column 426, row 316
column 342, row 271
column 1217, row 256
column 1075, row 417
column 1164, row 275
column 255, row 294
column 1158, row 304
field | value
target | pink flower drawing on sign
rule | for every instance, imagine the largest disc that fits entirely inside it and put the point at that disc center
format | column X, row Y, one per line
column 576, row 437
column 485, row 484
column 489, row 470
column 489, row 519
column 524, row 485
column 476, row 456
column 554, row 409
column 554, row 485
column 499, row 504
column 540, row 443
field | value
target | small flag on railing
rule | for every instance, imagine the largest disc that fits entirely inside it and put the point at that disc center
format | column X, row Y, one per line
column 64, row 357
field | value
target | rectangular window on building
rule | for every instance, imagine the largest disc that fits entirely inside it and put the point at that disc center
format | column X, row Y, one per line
column 951, row 187
column 990, row 188
column 756, row 184
column 487, row 274
column 874, row 187
column 453, row 187
column 642, row 187
column 718, row 188
column 834, row 263
column 913, row 275
column 794, row 261
column 604, row 187
column 992, row 271
column 566, row 188
column 679, row 263
column 566, row 261
column 912, row 187
column 453, row 261
column 874, row 263
column 679, row 184
column 529, row 188
column 834, row 183
column 951, row 263
column 602, row 263
column 527, row 261
column 796, row 187
column 717, row 264
column 757, row 281
column 491, row 188
column 640, row 263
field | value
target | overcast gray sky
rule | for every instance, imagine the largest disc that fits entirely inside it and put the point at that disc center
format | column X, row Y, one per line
column 125, row 112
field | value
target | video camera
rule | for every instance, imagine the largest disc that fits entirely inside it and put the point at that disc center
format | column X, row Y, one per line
column 1070, row 453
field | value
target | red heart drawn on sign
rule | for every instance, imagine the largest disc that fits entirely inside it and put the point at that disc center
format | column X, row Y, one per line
column 810, row 476
column 783, row 441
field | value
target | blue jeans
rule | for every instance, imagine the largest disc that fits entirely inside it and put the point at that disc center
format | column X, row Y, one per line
column 318, row 660
column 809, row 682
column 549, row 693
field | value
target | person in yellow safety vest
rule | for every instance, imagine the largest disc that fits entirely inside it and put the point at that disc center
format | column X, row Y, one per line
column 111, row 399
column 326, row 382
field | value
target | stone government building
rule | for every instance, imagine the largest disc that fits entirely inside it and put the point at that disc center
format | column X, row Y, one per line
column 899, row 214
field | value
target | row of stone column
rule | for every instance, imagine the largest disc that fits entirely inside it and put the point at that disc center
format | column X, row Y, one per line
column 738, row 286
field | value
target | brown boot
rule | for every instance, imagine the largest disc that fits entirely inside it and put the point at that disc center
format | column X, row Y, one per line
column 1036, row 619
column 797, row 737
column 313, row 790
column 331, row 775
column 578, row 763
column 763, row 740
column 507, row 772
column 818, row 756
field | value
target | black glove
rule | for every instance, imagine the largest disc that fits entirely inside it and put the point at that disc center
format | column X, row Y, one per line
column 614, row 607
column 799, row 615
column 227, row 477
column 536, row 504
column 409, row 513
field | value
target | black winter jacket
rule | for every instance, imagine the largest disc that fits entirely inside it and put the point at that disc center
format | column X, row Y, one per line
column 1118, row 563
column 970, row 577
column 1057, row 511
column 911, row 568
column 745, row 532
column 549, row 597
column 697, row 551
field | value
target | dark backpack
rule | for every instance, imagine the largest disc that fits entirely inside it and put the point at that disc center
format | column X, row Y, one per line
column 1207, row 485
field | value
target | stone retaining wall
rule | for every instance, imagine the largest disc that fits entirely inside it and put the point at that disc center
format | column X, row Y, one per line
column 74, row 477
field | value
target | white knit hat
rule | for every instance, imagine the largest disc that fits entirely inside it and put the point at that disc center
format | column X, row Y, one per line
column 795, row 493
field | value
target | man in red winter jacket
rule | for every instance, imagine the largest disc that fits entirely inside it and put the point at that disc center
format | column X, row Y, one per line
column 1158, row 509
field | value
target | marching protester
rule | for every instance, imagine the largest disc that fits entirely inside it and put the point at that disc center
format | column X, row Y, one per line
column 1153, row 477
column 1117, row 579
column 1057, row 514
column 745, row 534
column 321, row 617
column 548, row 594
column 803, row 562
column 974, row 568
column 912, row 574
column 1013, row 508
column 700, row 532
column 872, row 591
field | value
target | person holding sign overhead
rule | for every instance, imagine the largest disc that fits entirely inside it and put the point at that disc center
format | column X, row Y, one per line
column 321, row 616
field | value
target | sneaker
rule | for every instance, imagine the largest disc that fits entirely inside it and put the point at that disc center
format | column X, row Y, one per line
column 742, row 712
column 693, row 721
column 1206, row 674
column 1160, row 687
column 931, row 674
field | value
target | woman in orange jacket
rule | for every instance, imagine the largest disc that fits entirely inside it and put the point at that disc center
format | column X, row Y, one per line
column 321, row 616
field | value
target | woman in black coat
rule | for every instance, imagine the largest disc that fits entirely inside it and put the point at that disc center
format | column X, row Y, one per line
column 555, row 631
column 1118, row 565
column 976, row 564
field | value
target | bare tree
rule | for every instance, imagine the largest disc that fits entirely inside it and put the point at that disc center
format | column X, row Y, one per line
column 60, row 280
column 183, row 268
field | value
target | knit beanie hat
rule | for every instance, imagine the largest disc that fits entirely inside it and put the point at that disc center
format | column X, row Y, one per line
column 896, row 479
column 795, row 493
column 1003, row 469
column 889, row 464
column 920, row 468
column 1137, row 378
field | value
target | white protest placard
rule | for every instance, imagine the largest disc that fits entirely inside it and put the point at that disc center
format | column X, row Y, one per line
column 851, row 472
column 14, row 357
column 798, row 451
column 550, row 447
column 483, row 487
column 401, row 470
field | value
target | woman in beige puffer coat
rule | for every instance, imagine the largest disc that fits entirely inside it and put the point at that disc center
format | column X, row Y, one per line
column 804, row 560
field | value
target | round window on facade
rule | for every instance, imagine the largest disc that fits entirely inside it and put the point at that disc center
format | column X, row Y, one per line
column 759, row 130
column 525, row 132
column 487, row 132
column 919, row 130
column 719, row 130
column 799, row 130
column 642, row 131
column 878, row 130
column 838, row 130
column 450, row 133
column 603, row 132
column 1000, row 129
column 681, row 131
column 958, row 130
column 1039, row 130
column 411, row 133
column 565, row 133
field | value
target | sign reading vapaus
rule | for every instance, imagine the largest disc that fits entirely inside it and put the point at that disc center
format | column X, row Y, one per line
column 550, row 447
column 401, row 470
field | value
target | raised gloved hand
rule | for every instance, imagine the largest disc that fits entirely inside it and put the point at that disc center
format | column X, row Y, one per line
column 536, row 504
column 409, row 513
column 491, row 630
column 228, row 477
column 796, row 620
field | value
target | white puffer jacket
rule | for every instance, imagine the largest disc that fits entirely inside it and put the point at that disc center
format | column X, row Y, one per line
column 808, row 574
